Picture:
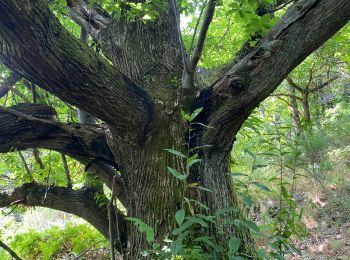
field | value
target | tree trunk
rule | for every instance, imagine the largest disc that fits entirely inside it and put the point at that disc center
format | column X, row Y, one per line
column 306, row 107
column 155, row 195
column 139, row 103
column 294, row 110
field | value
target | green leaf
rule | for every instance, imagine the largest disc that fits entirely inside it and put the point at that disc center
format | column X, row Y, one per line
column 238, row 174
column 146, row 17
column 177, row 174
column 285, row 193
column 180, row 216
column 196, row 113
column 177, row 153
column 260, row 186
column 202, row 188
column 199, row 221
column 189, row 165
column 185, row 116
column 251, row 225
column 150, row 235
column 183, row 227
column 257, row 166
column 234, row 244
column 248, row 201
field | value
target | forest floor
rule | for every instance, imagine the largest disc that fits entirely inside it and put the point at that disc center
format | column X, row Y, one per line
column 327, row 216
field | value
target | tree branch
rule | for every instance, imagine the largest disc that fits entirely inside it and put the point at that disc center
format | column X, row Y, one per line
column 91, row 19
column 28, row 126
column 66, row 170
column 45, row 53
column 85, row 143
column 188, row 81
column 9, row 250
column 285, row 95
column 256, row 76
column 8, row 83
column 294, row 85
column 325, row 84
column 82, row 203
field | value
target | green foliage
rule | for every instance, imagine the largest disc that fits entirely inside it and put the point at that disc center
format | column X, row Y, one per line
column 56, row 242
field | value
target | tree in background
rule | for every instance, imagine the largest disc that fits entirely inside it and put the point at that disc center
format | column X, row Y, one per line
column 136, row 84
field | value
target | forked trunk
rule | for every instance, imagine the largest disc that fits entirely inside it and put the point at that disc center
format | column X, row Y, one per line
column 156, row 195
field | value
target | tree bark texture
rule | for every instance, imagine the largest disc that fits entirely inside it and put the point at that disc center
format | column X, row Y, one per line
column 137, row 95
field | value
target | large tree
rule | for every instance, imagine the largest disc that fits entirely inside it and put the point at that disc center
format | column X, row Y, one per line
column 134, row 89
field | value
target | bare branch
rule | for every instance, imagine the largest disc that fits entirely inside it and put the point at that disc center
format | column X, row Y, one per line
column 37, row 158
column 8, row 83
column 91, row 19
column 9, row 250
column 294, row 85
column 285, row 95
column 25, row 166
column 188, row 81
column 325, row 84
column 202, row 34
column 85, row 143
column 66, row 170
column 257, row 75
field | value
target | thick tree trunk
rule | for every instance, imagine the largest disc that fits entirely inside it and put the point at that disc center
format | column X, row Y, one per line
column 138, row 100
column 154, row 194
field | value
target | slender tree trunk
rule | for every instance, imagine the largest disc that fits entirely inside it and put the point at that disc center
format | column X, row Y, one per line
column 295, row 111
column 306, row 107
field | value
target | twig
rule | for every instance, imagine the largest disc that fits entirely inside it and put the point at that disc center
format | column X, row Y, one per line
column 25, row 165
column 110, row 211
column 88, row 249
column 66, row 170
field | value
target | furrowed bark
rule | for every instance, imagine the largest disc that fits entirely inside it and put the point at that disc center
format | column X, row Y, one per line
column 34, row 44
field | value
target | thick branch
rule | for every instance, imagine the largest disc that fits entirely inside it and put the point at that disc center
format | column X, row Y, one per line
column 91, row 19
column 85, row 143
column 36, row 45
column 257, row 75
column 28, row 126
column 81, row 203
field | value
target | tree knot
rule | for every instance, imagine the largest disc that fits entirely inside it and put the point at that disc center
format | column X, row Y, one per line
column 236, row 84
